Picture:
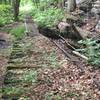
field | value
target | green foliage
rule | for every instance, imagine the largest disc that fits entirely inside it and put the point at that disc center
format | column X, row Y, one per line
column 52, row 96
column 45, row 14
column 91, row 50
column 30, row 76
column 12, row 90
column 5, row 14
column 24, row 2
column 46, row 3
column 18, row 32
column 26, row 8
column 48, row 18
column 72, row 94
column 51, row 59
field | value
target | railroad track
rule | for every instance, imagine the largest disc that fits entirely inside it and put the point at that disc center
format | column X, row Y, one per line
column 18, row 66
column 15, row 86
column 75, row 57
column 68, row 49
column 16, row 69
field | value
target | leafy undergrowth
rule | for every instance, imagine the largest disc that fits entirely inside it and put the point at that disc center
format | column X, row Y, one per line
column 91, row 50
column 18, row 32
column 6, row 15
column 49, row 18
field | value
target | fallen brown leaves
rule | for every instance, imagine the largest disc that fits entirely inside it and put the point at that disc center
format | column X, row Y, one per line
column 68, row 82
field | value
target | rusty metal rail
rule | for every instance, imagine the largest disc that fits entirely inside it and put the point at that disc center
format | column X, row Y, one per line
column 64, row 44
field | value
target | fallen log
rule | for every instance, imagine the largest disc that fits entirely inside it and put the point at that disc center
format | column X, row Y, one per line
column 83, row 33
column 69, row 30
column 80, row 55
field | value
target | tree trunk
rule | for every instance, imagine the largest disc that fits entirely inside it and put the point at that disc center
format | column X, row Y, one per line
column 16, row 4
column 71, row 5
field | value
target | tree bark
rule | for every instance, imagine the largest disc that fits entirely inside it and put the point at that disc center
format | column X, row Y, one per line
column 16, row 4
column 71, row 5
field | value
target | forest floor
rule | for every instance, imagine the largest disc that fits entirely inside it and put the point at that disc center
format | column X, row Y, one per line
column 37, row 70
column 5, row 50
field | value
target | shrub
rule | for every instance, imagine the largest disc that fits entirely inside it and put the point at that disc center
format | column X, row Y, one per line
column 13, row 90
column 91, row 50
column 6, row 15
column 30, row 77
column 49, row 17
column 18, row 32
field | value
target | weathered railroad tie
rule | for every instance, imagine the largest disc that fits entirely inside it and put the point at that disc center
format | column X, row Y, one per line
column 14, row 83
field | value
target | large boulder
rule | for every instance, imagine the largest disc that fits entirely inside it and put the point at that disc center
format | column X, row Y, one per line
column 96, row 7
column 84, row 5
column 5, row 39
